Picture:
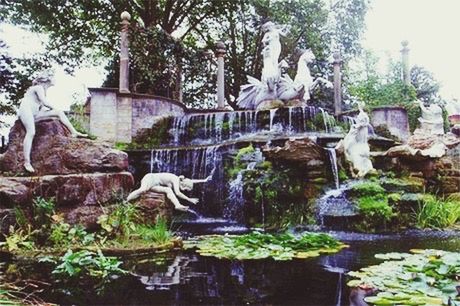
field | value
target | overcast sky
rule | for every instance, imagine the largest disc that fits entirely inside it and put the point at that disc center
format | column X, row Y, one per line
column 430, row 26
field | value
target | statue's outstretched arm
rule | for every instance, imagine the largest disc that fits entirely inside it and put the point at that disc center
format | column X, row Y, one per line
column 180, row 195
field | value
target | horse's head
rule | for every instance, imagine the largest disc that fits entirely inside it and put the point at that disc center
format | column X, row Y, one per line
column 307, row 57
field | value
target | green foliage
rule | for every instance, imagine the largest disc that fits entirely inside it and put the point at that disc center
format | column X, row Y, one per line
column 82, row 31
column 258, row 246
column 19, row 239
column 121, row 222
column 74, row 266
column 159, row 233
column 343, row 175
column 437, row 213
column 240, row 161
column 64, row 235
column 428, row 277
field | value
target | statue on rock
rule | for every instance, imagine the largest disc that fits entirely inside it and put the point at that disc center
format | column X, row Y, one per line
column 169, row 184
column 355, row 145
column 276, row 88
column 432, row 122
column 34, row 107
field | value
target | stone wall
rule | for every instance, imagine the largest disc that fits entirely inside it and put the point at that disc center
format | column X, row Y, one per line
column 394, row 119
column 117, row 117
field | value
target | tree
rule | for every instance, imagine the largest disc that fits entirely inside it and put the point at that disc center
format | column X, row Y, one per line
column 426, row 87
column 172, row 38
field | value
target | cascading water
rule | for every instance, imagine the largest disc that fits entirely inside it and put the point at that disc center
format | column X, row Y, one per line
column 218, row 127
column 333, row 159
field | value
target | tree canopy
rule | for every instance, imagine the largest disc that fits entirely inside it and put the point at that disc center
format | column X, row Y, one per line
column 170, row 40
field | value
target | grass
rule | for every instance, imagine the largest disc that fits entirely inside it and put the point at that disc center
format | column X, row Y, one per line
column 437, row 213
column 159, row 233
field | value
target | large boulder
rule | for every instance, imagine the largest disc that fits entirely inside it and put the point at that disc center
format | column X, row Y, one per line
column 150, row 205
column 301, row 151
column 82, row 189
column 54, row 151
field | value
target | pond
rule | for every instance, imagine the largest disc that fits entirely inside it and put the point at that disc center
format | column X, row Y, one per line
column 185, row 278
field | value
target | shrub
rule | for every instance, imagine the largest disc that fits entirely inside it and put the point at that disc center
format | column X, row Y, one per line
column 368, row 189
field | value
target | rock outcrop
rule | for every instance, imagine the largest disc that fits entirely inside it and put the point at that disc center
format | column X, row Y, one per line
column 80, row 175
column 302, row 151
column 54, row 151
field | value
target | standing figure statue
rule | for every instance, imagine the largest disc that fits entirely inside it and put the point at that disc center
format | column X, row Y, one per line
column 432, row 121
column 271, row 51
column 356, row 147
column 34, row 106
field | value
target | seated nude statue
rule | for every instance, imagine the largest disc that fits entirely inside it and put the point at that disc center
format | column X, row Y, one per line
column 34, row 106
column 169, row 184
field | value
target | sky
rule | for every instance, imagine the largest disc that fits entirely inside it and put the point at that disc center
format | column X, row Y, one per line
column 430, row 26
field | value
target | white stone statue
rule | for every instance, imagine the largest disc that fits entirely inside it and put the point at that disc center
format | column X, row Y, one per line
column 252, row 94
column 34, row 107
column 271, row 51
column 432, row 121
column 169, row 184
column 356, row 147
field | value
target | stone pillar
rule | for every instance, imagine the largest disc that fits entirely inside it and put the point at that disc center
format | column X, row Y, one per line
column 124, row 53
column 337, row 84
column 405, row 62
column 220, row 53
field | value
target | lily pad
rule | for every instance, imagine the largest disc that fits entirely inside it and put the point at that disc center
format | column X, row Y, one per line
column 427, row 277
column 259, row 246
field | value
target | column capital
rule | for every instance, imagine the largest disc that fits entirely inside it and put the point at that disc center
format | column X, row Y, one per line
column 220, row 49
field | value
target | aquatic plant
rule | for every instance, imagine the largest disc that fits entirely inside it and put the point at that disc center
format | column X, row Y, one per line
column 426, row 277
column 257, row 245
column 438, row 213
column 75, row 266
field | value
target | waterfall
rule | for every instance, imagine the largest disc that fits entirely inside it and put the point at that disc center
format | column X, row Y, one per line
column 234, row 210
column 272, row 116
column 219, row 122
column 333, row 159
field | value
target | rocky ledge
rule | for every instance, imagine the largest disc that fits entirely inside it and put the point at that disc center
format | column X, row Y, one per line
column 54, row 151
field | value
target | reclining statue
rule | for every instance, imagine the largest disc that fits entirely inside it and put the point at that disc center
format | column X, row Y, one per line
column 169, row 184
column 34, row 107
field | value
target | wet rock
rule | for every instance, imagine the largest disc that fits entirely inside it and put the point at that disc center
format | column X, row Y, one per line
column 409, row 202
column 86, row 216
column 67, row 190
column 54, row 151
column 270, row 104
column 412, row 185
column 302, row 151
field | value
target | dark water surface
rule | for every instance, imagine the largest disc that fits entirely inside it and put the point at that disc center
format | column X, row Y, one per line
column 189, row 279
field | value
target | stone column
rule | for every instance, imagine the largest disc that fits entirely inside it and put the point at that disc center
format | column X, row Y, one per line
column 337, row 84
column 220, row 54
column 405, row 62
column 124, row 53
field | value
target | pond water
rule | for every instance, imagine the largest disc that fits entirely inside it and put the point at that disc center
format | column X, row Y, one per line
column 186, row 278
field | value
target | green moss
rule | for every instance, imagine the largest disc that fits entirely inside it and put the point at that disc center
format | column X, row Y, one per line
column 149, row 138
column 368, row 189
column 316, row 124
